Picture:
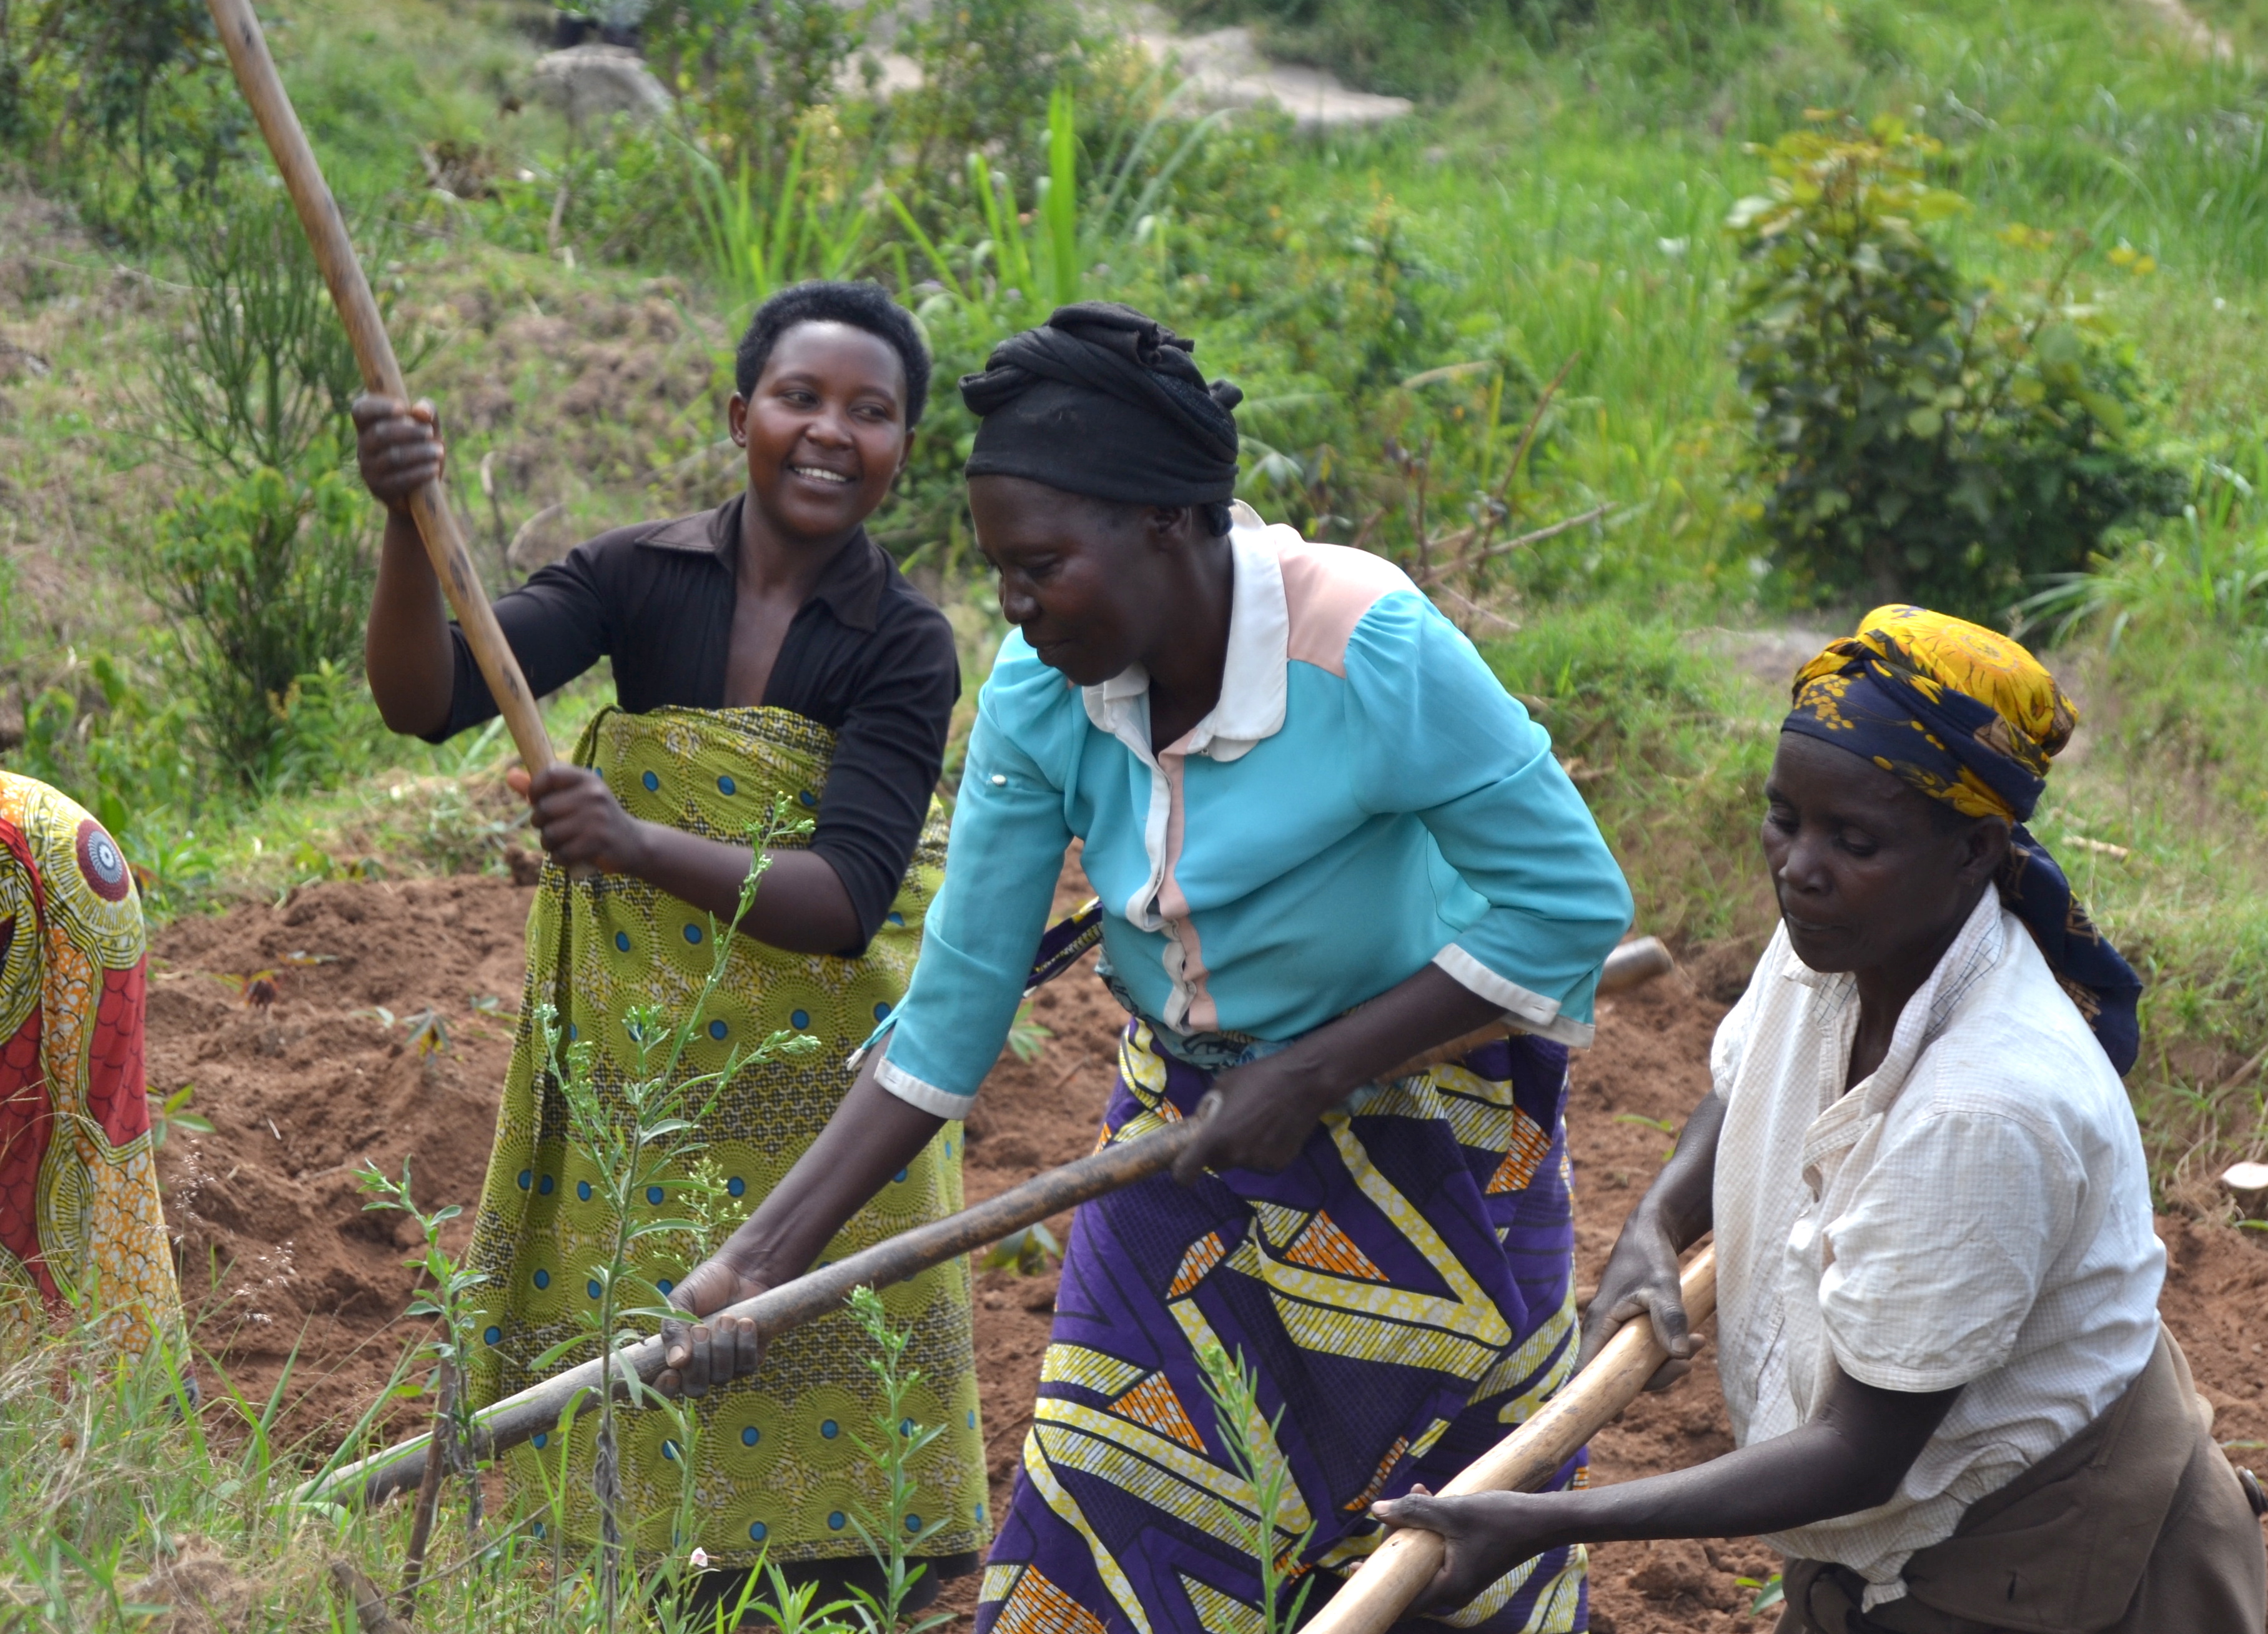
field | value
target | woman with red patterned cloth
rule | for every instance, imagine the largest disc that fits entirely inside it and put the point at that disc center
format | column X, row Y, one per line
column 80, row 1223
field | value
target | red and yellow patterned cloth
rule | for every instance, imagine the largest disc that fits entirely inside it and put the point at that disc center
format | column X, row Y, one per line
column 80, row 1213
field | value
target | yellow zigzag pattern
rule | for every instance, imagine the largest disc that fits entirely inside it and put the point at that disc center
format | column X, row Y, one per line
column 1036, row 1606
column 1219, row 1613
column 1090, row 1370
column 1333, row 1298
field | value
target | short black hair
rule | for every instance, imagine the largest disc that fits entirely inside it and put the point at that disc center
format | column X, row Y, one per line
column 866, row 307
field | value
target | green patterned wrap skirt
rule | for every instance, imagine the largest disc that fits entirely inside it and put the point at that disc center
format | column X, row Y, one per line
column 774, row 1464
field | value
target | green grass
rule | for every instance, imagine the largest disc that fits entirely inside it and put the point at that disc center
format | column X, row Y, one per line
column 1560, row 204
column 1557, row 202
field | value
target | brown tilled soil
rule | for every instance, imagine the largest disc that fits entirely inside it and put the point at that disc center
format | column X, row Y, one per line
column 280, row 1257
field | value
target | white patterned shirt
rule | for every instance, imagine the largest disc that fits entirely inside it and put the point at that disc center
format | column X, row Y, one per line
column 1977, row 1213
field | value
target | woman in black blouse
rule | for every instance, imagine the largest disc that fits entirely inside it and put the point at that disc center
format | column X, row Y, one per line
column 766, row 649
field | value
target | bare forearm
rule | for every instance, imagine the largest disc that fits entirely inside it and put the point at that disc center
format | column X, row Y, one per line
column 1682, row 1198
column 1415, row 1015
column 1852, row 1455
column 1811, row 1475
column 1258, row 1114
column 406, row 649
column 800, row 905
column 872, row 1136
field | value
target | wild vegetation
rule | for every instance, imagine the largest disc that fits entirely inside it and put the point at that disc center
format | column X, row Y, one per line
column 1662, row 323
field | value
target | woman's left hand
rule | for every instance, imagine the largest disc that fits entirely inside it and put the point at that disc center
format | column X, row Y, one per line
column 579, row 820
column 1256, row 1116
column 1487, row 1534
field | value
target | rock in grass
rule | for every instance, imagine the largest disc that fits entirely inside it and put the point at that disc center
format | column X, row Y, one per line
column 595, row 82
column 2247, row 1183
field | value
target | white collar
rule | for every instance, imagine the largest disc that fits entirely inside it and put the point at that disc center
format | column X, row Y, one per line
column 1978, row 949
column 1253, row 681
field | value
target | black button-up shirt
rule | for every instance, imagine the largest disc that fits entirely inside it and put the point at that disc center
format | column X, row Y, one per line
column 868, row 655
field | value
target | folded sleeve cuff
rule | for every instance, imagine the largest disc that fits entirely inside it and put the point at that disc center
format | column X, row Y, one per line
column 938, row 1102
column 1529, row 1010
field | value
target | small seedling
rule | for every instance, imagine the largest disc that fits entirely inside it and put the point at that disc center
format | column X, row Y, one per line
column 445, row 1298
column 1668, row 1126
column 1250, row 1438
column 1769, row 1593
column 898, row 1439
column 257, row 991
column 1028, row 1253
column 171, row 1114
column 429, row 1032
column 1026, row 1038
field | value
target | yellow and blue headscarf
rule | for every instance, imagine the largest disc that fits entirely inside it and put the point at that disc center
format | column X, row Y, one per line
column 1970, row 718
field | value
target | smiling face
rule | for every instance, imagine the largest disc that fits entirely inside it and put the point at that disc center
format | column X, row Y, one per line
column 825, row 430
column 1869, row 872
column 1091, row 586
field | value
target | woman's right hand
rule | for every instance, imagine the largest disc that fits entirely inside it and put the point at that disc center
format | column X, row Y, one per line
column 697, row 1356
column 398, row 446
column 1641, row 1280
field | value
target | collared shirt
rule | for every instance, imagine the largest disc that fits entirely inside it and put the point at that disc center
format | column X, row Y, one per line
column 1975, row 1213
column 1363, row 800
column 867, row 656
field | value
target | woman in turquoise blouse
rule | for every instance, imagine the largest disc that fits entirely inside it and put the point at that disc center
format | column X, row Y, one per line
column 1326, row 841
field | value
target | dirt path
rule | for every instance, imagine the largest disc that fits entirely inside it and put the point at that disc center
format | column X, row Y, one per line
column 282, row 1254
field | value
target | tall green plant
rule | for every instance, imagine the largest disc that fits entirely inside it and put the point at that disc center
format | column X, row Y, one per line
column 1926, row 436
column 265, row 567
column 891, row 1536
column 267, row 578
column 1018, row 265
column 265, row 373
column 1250, row 1437
column 809, row 227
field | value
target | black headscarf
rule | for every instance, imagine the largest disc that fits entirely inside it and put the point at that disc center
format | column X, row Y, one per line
column 1103, row 401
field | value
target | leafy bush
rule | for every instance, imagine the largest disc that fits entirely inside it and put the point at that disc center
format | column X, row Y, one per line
column 1928, row 438
column 988, row 69
column 266, row 579
column 84, row 83
column 750, row 71
column 266, row 572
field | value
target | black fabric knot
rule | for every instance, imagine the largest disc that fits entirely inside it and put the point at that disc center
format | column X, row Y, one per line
column 1105, row 400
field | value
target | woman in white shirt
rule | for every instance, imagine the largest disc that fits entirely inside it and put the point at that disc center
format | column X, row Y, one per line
column 1955, row 1408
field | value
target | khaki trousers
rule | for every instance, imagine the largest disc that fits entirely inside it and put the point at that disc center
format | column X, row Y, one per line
column 2137, row 1525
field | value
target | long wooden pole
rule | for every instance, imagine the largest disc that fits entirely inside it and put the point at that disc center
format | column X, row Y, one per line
column 381, row 374
column 539, row 1407
column 516, row 1419
column 1381, row 1591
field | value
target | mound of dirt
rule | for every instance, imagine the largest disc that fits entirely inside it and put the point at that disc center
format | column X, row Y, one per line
column 280, row 1261
column 282, row 1258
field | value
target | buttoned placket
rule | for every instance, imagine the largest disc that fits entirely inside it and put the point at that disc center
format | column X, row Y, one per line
column 1849, row 1121
column 1250, row 708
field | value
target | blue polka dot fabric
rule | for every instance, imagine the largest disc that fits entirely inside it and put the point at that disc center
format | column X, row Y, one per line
column 770, row 1475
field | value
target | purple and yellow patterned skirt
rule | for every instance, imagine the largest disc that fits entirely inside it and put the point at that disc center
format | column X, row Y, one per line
column 1405, row 1292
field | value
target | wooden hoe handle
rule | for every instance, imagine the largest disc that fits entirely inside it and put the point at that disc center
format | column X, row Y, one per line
column 1378, row 1595
column 381, row 375
column 517, row 1418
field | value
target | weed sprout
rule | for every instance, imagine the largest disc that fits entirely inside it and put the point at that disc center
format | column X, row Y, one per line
column 1249, row 1437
